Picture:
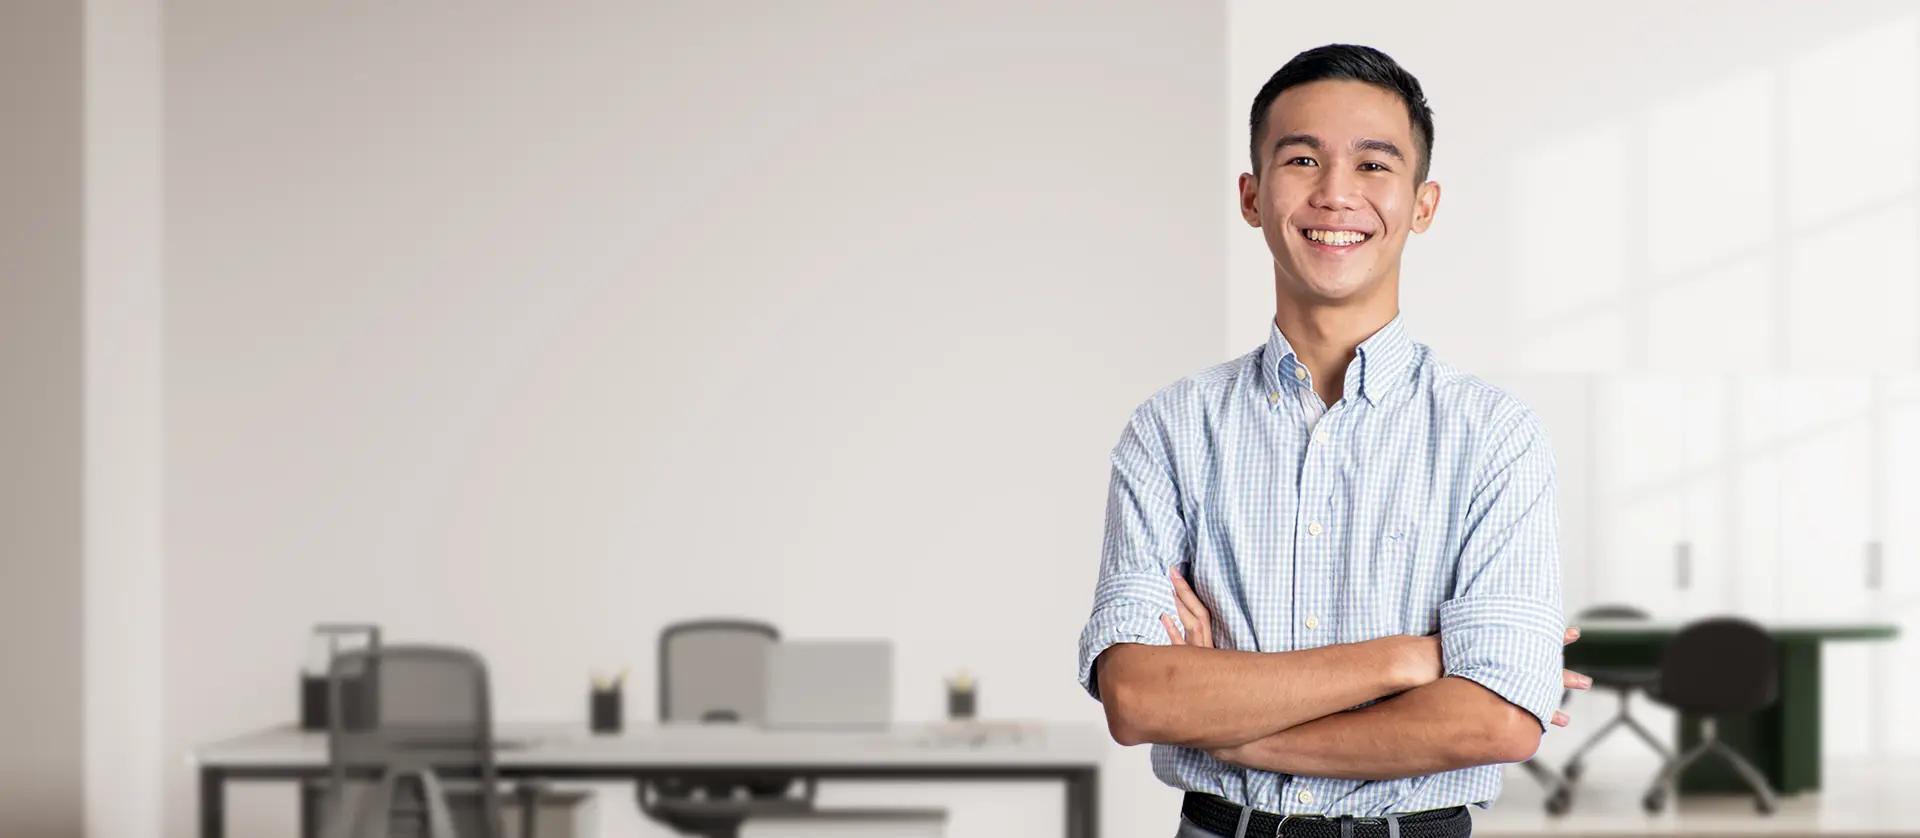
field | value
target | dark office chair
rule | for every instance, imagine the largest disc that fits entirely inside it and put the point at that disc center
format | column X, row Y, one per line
column 1718, row 667
column 1622, row 681
column 412, row 751
column 1559, row 798
column 713, row 672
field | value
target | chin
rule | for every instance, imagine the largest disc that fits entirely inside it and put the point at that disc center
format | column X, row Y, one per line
column 1333, row 290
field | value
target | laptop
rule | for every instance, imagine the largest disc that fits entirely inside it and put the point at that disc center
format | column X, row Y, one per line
column 830, row 685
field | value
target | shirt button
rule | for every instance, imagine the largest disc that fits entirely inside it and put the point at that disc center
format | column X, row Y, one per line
column 1306, row 796
column 1313, row 528
column 1300, row 373
column 1313, row 622
column 1273, row 398
column 1321, row 436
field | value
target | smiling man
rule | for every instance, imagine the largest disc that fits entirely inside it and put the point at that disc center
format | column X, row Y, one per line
column 1329, row 593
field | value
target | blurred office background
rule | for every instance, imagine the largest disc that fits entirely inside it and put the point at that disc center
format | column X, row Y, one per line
column 535, row 327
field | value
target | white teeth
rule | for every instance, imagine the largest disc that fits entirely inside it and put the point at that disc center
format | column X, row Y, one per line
column 1338, row 238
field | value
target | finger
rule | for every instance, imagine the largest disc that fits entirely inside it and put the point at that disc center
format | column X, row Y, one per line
column 1184, row 593
column 1183, row 600
column 1173, row 633
column 1576, row 681
column 1573, row 633
column 1560, row 719
column 1193, row 611
column 1189, row 622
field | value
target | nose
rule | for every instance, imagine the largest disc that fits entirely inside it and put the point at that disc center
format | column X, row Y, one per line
column 1336, row 190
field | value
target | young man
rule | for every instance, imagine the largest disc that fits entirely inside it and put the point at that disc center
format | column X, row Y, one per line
column 1330, row 584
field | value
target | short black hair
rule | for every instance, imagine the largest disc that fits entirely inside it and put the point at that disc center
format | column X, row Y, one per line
column 1353, row 63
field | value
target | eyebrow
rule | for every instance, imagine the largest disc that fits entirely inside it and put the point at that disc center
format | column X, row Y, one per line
column 1362, row 144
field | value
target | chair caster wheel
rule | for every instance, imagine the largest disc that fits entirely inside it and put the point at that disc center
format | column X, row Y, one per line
column 1654, row 802
column 1764, row 807
column 1573, row 770
column 1559, row 802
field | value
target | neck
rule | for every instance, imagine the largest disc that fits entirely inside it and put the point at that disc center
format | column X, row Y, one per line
column 1326, row 337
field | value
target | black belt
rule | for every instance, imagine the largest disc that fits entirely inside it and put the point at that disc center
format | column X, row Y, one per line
column 1222, row 817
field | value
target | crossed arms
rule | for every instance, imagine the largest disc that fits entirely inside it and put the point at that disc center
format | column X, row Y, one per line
column 1478, row 693
column 1287, row 711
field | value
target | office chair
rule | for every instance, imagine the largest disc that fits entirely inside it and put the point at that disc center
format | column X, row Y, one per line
column 714, row 672
column 1559, row 796
column 1716, row 667
column 1622, row 681
column 1559, row 786
column 414, row 754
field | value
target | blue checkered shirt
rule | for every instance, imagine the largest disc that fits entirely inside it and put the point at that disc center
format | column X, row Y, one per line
column 1421, row 502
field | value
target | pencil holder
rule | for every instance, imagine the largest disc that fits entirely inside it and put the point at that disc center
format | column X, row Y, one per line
column 960, row 700
column 313, row 703
column 603, row 710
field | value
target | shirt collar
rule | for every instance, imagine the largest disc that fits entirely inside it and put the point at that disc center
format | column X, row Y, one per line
column 1379, row 363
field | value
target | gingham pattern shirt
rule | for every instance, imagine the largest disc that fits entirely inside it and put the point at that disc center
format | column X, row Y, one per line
column 1421, row 502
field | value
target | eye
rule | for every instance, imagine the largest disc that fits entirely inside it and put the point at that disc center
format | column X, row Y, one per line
column 1376, row 166
column 1302, row 160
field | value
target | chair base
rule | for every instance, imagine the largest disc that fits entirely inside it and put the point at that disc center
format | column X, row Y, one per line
column 1663, row 788
column 1621, row 718
column 1559, row 791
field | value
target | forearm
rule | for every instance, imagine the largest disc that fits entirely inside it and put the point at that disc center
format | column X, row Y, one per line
column 1210, row 698
column 1450, row 724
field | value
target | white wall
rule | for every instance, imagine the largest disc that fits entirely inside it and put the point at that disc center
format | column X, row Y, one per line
column 535, row 328
column 1685, row 232
column 80, row 560
column 123, row 568
column 41, row 420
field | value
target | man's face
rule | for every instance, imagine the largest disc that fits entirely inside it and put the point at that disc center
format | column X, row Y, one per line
column 1335, row 195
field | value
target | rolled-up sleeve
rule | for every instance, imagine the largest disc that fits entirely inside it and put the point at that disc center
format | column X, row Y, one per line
column 1146, row 535
column 1503, row 628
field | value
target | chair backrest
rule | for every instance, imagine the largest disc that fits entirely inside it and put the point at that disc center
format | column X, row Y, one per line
column 715, row 671
column 413, row 707
column 1614, row 611
column 1721, row 665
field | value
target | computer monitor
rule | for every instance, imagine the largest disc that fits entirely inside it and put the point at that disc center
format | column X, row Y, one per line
column 830, row 684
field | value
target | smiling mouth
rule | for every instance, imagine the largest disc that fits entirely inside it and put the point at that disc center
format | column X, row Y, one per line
column 1335, row 239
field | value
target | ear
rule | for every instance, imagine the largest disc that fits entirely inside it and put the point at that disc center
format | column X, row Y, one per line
column 1426, row 201
column 1250, row 199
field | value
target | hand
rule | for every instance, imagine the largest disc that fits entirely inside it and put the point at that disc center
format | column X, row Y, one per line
column 1234, row 754
column 1423, row 660
column 1572, row 679
column 1198, row 624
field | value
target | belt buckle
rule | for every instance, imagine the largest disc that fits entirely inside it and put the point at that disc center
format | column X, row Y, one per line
column 1280, row 829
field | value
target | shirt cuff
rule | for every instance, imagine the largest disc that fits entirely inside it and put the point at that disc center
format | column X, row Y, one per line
column 1511, row 645
column 1127, row 610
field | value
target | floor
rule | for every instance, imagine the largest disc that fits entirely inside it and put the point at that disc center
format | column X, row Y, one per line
column 1861, row 796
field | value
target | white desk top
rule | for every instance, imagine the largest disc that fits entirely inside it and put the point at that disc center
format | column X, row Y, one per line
column 934, row 745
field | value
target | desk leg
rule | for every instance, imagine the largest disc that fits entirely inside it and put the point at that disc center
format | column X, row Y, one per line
column 309, row 810
column 1083, row 804
column 213, row 803
column 1797, row 714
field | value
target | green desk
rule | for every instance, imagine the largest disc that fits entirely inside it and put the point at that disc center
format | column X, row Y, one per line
column 1783, row 741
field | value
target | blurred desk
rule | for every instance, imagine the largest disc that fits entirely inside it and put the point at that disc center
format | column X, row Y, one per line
column 936, row 751
column 1782, row 741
